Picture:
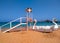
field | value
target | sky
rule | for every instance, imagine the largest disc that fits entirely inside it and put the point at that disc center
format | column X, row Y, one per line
column 41, row 9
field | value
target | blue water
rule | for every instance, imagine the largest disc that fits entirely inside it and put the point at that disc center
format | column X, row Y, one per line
column 38, row 24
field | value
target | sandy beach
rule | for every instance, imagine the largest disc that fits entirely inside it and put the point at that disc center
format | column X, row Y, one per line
column 30, row 37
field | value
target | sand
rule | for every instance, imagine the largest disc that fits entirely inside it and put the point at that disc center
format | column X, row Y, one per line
column 30, row 37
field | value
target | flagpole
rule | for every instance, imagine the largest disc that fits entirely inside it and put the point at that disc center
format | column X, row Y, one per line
column 27, row 21
column 28, row 10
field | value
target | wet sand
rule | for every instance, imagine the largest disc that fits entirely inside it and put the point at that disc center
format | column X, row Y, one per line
column 30, row 37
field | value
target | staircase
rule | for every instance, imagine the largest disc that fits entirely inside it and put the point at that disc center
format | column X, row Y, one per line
column 10, row 24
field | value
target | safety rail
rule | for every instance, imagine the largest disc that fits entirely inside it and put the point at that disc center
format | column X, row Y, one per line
column 10, row 24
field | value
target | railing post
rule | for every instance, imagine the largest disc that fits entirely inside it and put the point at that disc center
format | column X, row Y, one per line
column 20, row 20
column 10, row 25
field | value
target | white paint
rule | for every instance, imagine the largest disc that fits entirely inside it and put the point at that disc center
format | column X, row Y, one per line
column 45, row 27
column 41, row 27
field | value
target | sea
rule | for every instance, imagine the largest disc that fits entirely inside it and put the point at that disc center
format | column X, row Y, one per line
column 37, row 24
column 4, row 27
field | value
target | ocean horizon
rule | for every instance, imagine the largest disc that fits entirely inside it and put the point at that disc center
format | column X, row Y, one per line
column 37, row 24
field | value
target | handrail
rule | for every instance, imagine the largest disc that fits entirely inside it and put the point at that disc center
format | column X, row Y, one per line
column 12, row 21
column 15, row 20
column 10, row 24
column 5, row 24
column 11, row 28
column 14, row 27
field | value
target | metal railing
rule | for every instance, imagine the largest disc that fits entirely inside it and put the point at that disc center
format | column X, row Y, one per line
column 10, row 24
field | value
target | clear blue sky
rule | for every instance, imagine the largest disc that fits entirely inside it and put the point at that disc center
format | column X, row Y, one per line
column 41, row 9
